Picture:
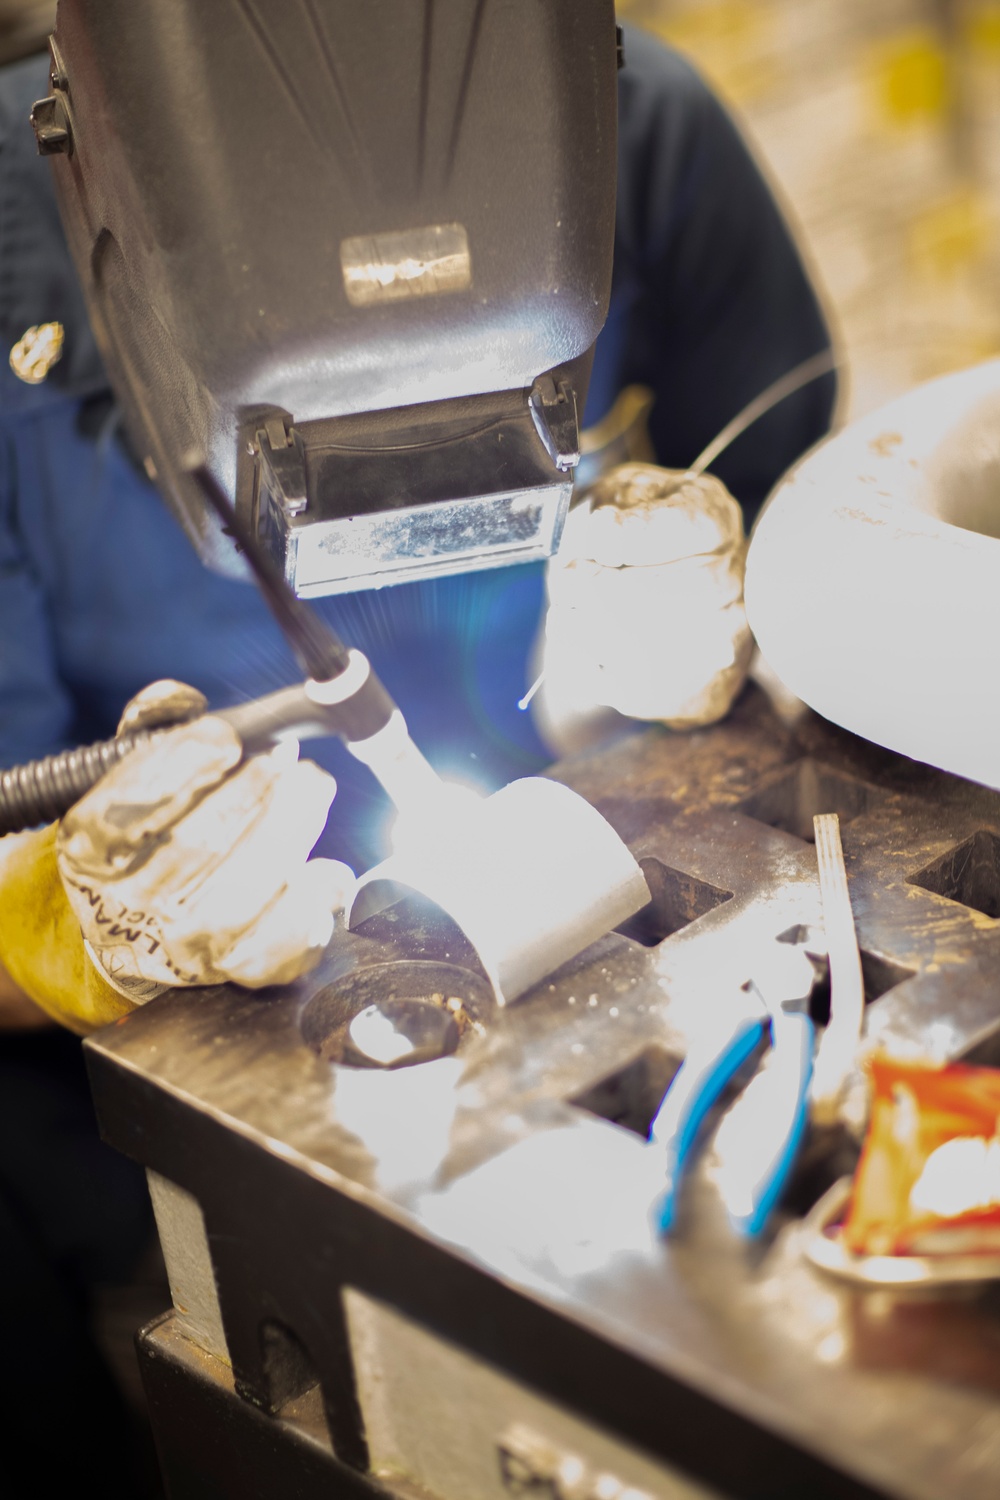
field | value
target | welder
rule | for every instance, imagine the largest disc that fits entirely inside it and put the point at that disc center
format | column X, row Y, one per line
column 101, row 595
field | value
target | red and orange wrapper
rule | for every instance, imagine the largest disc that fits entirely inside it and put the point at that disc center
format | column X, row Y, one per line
column 928, row 1182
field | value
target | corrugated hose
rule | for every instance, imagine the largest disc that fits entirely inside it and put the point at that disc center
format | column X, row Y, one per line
column 45, row 789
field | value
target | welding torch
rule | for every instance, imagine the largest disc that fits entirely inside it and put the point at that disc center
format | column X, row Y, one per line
column 341, row 695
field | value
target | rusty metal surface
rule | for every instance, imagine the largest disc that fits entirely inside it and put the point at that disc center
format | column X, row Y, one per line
column 503, row 1159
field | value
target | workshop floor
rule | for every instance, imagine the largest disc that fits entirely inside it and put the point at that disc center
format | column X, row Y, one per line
column 879, row 120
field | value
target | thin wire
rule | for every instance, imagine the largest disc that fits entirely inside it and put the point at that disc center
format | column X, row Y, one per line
column 810, row 369
column 522, row 703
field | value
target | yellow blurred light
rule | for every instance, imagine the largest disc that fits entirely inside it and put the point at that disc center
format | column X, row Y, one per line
column 732, row 41
column 912, row 76
column 950, row 234
column 981, row 29
column 442, row 820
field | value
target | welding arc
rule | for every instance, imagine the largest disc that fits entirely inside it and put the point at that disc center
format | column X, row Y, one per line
column 800, row 375
column 318, row 651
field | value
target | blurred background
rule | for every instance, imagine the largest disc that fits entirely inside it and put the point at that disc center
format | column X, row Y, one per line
column 878, row 122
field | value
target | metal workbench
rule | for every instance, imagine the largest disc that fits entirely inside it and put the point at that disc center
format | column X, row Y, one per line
column 439, row 1281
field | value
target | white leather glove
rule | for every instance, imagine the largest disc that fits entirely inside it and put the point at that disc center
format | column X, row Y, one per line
column 187, row 866
column 645, row 610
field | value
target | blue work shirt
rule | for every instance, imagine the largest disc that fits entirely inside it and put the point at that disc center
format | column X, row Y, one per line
column 101, row 593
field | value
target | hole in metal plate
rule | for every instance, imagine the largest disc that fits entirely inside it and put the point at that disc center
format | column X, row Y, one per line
column 288, row 1368
column 808, row 789
column 631, row 1096
column 397, row 1014
column 677, row 900
column 969, row 874
column 878, row 973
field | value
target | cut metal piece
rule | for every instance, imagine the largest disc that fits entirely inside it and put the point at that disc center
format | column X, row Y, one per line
column 839, row 1046
column 532, row 875
column 282, row 466
column 180, row 1224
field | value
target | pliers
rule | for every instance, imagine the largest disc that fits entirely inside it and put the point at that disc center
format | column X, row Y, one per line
column 758, row 1140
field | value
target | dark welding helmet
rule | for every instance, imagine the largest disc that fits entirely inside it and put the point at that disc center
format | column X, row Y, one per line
column 355, row 255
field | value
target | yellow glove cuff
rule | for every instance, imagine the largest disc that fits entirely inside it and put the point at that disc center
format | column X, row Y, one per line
column 41, row 945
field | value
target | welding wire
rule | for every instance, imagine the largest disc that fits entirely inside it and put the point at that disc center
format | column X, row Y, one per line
column 810, row 369
column 318, row 651
column 839, row 1046
column 522, row 703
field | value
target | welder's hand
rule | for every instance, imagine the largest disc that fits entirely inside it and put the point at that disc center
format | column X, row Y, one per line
column 187, row 866
column 645, row 610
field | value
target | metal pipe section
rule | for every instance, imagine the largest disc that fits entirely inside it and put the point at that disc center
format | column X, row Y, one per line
column 532, row 875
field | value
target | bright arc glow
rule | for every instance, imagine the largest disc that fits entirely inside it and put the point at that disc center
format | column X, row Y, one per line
column 444, row 819
column 531, row 874
column 405, row 775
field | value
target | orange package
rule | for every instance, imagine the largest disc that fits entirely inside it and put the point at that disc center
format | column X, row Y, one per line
column 928, row 1182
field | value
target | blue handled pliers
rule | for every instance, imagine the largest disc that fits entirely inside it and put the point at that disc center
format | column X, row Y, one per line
column 758, row 1140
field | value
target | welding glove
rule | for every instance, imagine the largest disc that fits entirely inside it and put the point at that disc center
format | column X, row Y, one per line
column 184, row 865
column 645, row 616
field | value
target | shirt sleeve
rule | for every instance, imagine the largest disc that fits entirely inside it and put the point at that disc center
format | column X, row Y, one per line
column 711, row 301
column 36, row 711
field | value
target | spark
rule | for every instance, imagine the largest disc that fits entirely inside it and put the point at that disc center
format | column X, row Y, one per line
column 522, row 703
